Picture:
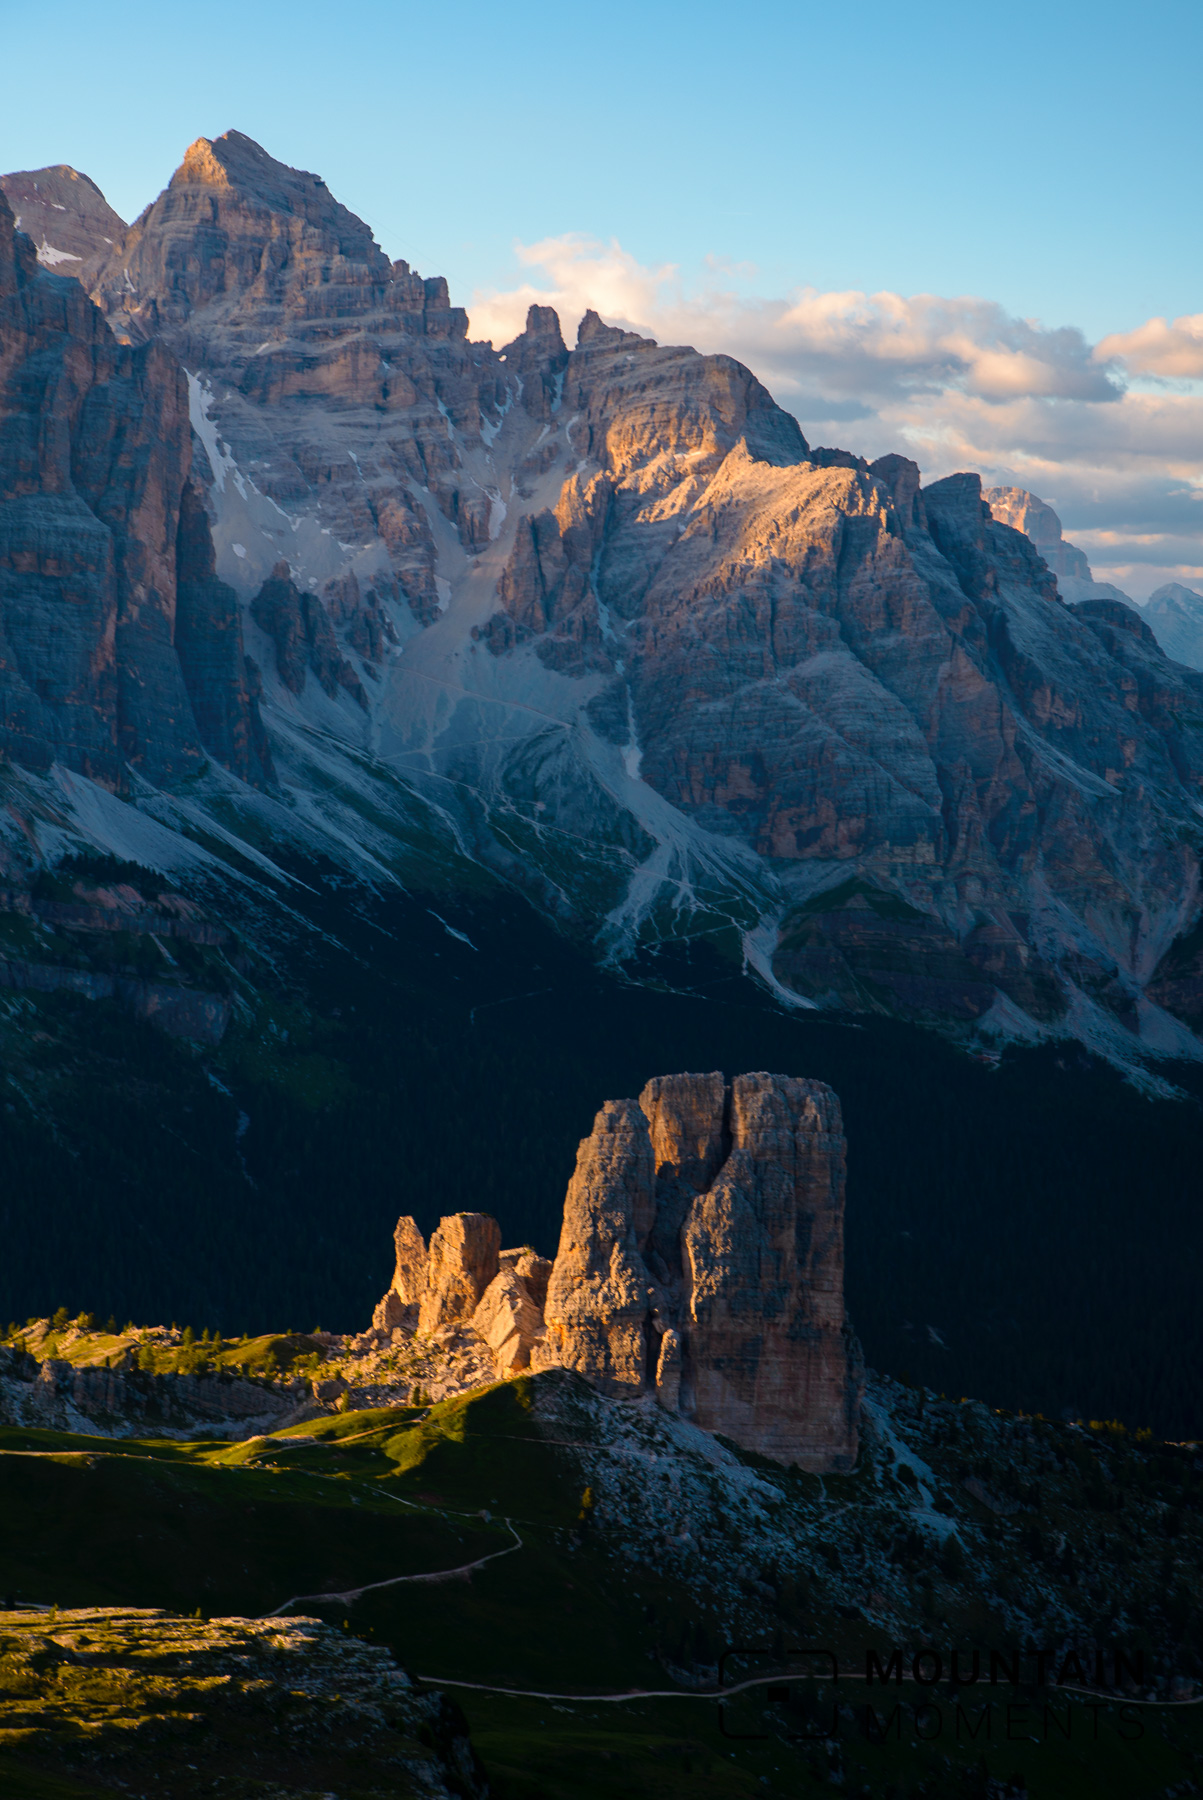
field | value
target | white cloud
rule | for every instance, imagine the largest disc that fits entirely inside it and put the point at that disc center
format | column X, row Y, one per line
column 955, row 383
column 1156, row 348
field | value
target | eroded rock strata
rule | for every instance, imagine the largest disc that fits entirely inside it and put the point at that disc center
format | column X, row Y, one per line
column 120, row 651
column 701, row 1260
column 649, row 653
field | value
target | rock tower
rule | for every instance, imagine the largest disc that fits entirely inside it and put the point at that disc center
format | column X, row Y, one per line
column 701, row 1260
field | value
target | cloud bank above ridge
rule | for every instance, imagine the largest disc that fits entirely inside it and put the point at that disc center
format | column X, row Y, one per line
column 1111, row 434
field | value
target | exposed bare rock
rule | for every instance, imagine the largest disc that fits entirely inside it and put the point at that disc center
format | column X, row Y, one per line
column 668, row 1371
column 66, row 215
column 741, row 1323
column 540, row 357
column 729, row 674
column 208, row 641
column 463, row 1260
column 1174, row 613
column 508, row 1320
column 311, row 341
column 598, row 1296
column 689, row 1131
column 409, row 1278
column 97, row 667
column 400, row 1305
column 535, row 1271
column 768, row 1356
column 1036, row 519
column 300, row 628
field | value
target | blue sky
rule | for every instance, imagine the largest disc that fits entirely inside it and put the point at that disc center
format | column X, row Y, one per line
column 1045, row 155
column 1043, row 158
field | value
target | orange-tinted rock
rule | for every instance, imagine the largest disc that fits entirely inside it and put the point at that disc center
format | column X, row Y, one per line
column 598, row 1297
column 462, row 1261
column 399, row 1307
column 702, row 1259
column 509, row 1321
column 409, row 1277
column 535, row 1271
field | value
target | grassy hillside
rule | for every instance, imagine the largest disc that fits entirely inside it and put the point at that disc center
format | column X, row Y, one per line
column 566, row 1593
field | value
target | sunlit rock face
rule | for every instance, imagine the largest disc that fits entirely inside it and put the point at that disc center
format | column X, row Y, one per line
column 1025, row 512
column 702, row 1260
column 257, row 277
column 463, row 1281
column 700, row 1263
column 119, row 649
column 640, row 648
column 461, row 1263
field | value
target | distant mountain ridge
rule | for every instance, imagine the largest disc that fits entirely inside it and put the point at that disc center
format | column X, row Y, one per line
column 602, row 620
column 1037, row 520
column 1175, row 614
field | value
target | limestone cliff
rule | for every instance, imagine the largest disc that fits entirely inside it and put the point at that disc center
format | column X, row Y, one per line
column 701, row 1260
column 118, row 649
column 1025, row 512
column 606, row 618
column 1174, row 613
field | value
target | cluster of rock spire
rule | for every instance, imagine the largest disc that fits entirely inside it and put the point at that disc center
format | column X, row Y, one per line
column 701, row 1260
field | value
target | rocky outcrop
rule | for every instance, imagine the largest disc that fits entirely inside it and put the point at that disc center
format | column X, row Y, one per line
column 300, row 629
column 399, row 1307
column 600, row 1295
column 765, row 1353
column 68, row 218
column 509, row 1321
column 222, row 682
column 256, row 276
column 54, row 1393
column 461, row 1263
column 701, row 1259
column 533, row 1269
column 1024, row 512
column 97, row 668
column 440, row 1287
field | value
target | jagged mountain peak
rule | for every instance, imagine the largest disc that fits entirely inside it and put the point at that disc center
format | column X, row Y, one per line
column 1175, row 591
column 235, row 165
column 234, row 224
column 734, row 674
column 593, row 333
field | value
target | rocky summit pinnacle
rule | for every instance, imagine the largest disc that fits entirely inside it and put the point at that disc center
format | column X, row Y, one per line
column 702, row 1259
